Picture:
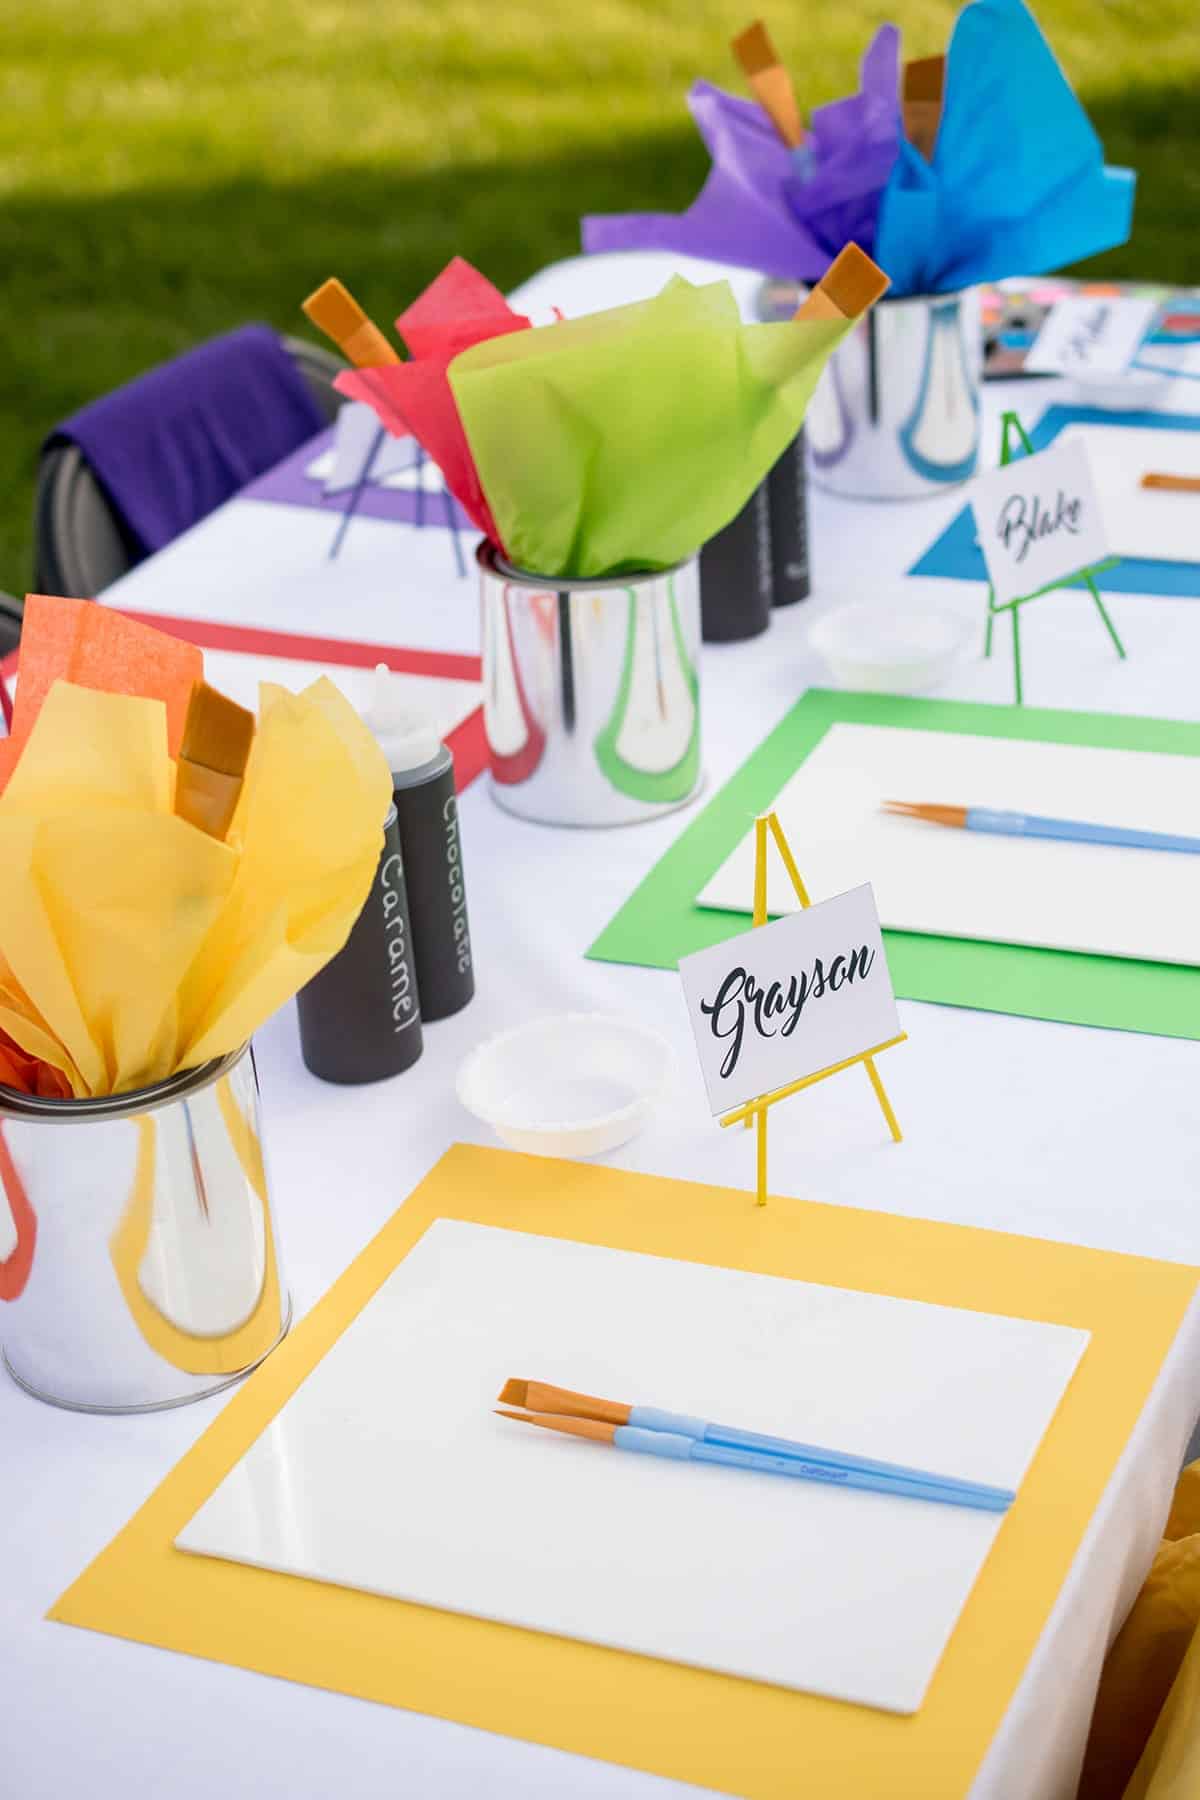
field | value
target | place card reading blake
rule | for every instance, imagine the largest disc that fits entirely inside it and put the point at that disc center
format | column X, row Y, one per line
column 1038, row 521
column 1096, row 336
column 791, row 999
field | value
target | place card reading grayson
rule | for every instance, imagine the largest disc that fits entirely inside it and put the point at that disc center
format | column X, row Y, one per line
column 789, row 1000
column 1090, row 336
column 1038, row 521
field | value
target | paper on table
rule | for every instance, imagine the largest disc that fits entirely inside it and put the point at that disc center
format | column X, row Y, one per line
column 1141, row 522
column 828, row 997
column 354, row 443
column 1039, row 521
column 1096, row 334
column 928, row 878
column 848, row 1594
column 141, row 945
column 624, row 440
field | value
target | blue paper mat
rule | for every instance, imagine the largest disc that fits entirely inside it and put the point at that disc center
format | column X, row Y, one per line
column 958, row 557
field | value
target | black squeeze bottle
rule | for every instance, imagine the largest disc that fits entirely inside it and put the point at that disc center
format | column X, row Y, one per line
column 431, row 844
column 735, row 575
column 787, row 495
column 360, row 1017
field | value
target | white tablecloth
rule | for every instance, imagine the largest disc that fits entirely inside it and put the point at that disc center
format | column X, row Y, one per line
column 1082, row 1135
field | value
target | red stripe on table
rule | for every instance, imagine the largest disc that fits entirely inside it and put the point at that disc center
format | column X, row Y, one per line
column 255, row 641
column 467, row 742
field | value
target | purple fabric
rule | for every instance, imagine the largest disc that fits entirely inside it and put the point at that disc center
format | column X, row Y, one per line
column 170, row 446
column 288, row 485
column 757, row 210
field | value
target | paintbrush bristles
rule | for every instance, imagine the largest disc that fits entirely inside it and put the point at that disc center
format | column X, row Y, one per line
column 217, row 733
column 584, row 1428
column 542, row 1396
column 754, row 49
column 931, row 813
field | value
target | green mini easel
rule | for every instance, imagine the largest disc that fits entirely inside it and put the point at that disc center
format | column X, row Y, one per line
column 1010, row 424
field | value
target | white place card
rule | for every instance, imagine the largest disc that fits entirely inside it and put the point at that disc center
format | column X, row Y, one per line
column 354, row 439
column 787, row 1000
column 1038, row 520
column 1090, row 336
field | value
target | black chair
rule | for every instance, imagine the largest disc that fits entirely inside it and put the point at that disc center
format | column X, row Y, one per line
column 79, row 544
column 10, row 623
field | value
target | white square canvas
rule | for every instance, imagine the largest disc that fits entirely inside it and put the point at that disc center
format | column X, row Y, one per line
column 1143, row 522
column 789, row 999
column 1091, row 898
column 388, row 1470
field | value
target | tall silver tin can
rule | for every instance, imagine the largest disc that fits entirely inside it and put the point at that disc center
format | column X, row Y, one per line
column 591, row 693
column 896, row 412
column 138, row 1261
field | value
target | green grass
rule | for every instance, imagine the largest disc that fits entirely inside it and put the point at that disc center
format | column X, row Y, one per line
column 169, row 168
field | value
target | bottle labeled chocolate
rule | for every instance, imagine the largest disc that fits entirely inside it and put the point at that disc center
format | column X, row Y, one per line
column 360, row 1016
column 431, row 844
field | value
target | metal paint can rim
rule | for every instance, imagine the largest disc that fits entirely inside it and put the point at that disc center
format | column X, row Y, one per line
column 32, row 1107
column 491, row 561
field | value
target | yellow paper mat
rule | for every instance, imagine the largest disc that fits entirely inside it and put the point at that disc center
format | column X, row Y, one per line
column 737, row 1736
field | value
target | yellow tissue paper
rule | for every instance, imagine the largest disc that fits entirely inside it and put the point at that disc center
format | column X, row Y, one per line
column 133, row 945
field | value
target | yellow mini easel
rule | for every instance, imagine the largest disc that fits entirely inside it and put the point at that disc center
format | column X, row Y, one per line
column 755, row 1111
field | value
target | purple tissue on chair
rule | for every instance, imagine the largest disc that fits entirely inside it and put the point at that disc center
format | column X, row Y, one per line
column 173, row 444
column 758, row 210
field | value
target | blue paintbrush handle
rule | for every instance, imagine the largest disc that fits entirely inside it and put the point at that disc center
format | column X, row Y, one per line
column 650, row 1418
column 678, row 1448
column 1076, row 831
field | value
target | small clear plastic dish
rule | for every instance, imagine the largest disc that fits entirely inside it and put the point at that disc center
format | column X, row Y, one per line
column 900, row 649
column 576, row 1084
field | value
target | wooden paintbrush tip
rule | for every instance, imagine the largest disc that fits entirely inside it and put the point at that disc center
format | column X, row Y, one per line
column 334, row 310
column 924, row 79
column 754, row 50
column 853, row 282
column 217, row 733
column 513, row 1393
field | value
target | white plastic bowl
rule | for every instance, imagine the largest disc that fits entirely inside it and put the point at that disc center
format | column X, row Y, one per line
column 890, row 649
column 577, row 1084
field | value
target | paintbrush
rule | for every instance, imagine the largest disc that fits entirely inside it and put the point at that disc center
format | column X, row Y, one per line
column 921, row 88
column 541, row 1397
column 675, row 1448
column 849, row 287
column 770, row 82
column 1172, row 484
column 217, row 735
column 1017, row 824
column 335, row 311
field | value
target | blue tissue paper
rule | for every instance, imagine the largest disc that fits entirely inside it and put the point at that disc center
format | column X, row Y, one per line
column 1018, row 182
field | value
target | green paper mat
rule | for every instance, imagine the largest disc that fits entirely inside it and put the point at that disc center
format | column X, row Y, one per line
column 660, row 922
